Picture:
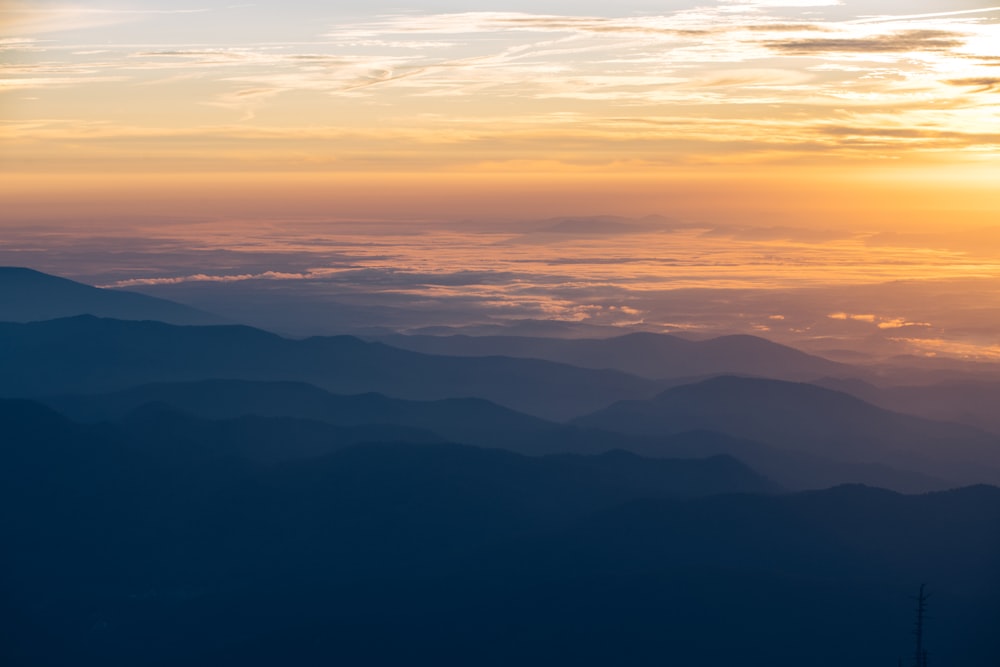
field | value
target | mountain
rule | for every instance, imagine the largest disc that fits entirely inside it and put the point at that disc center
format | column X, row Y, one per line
column 471, row 420
column 121, row 550
column 27, row 296
column 87, row 354
column 475, row 422
column 971, row 401
column 813, row 420
column 724, row 577
column 650, row 355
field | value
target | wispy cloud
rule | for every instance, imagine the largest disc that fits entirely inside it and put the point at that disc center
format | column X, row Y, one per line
column 927, row 16
column 746, row 81
column 981, row 84
column 26, row 18
column 216, row 278
column 898, row 42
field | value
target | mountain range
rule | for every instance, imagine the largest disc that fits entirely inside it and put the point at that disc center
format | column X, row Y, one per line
column 196, row 493
column 125, row 549
column 88, row 354
column 481, row 423
column 650, row 355
column 810, row 419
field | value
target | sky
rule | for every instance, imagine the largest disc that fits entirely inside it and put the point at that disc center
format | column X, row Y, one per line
column 820, row 171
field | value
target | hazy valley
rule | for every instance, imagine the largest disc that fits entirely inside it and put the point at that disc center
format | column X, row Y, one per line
column 186, row 491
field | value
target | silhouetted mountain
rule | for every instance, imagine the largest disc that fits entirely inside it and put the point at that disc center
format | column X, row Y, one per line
column 477, row 422
column 162, row 431
column 792, row 469
column 119, row 550
column 470, row 420
column 814, row 420
column 650, row 355
column 87, row 354
column 28, row 296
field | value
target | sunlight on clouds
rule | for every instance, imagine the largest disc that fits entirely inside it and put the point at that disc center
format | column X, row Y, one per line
column 794, row 143
column 879, row 321
column 744, row 82
column 937, row 346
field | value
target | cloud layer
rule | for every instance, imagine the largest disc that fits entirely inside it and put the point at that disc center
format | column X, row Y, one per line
column 706, row 83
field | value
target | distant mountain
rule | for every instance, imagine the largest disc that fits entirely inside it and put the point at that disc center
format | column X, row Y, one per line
column 86, row 354
column 650, row 355
column 813, row 420
column 477, row 422
column 971, row 401
column 792, row 468
column 28, row 296
column 153, row 443
column 123, row 550
column 467, row 420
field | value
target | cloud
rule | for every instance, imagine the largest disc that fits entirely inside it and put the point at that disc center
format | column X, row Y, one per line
column 504, row 90
column 963, row 350
column 19, row 44
column 23, row 18
column 900, row 323
column 897, row 42
column 53, row 81
column 923, row 138
column 931, row 15
column 879, row 321
column 217, row 278
column 982, row 84
column 852, row 316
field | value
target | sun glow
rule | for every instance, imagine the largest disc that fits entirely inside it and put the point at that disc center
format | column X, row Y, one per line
column 791, row 145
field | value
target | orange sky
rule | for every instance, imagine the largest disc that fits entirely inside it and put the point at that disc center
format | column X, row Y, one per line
column 848, row 119
column 802, row 89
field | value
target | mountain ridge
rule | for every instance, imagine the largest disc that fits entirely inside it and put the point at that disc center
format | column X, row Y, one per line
column 89, row 354
column 477, row 422
column 650, row 355
column 27, row 295
column 812, row 419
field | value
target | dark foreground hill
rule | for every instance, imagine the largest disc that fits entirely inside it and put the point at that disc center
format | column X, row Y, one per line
column 88, row 354
column 28, row 296
column 481, row 423
column 650, row 355
column 122, row 550
column 813, row 420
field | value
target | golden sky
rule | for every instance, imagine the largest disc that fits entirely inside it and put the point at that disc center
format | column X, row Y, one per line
column 873, row 123
column 154, row 86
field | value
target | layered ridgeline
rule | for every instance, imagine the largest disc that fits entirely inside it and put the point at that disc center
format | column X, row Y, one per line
column 210, row 495
column 813, row 420
column 792, row 464
column 655, row 356
column 162, row 540
column 801, row 436
column 88, row 354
